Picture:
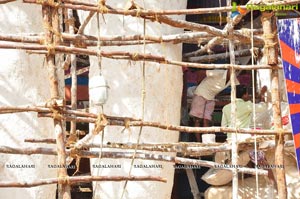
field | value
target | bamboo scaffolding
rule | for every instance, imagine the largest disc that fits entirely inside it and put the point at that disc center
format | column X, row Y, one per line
column 129, row 155
column 227, row 31
column 208, row 46
column 79, row 179
column 50, row 17
column 130, row 56
column 271, row 52
column 51, row 45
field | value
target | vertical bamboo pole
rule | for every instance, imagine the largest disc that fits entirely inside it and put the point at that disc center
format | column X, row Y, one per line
column 51, row 22
column 271, row 51
column 234, row 146
column 73, row 73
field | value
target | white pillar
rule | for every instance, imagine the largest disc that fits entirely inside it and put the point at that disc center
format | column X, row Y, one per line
column 23, row 81
column 162, row 103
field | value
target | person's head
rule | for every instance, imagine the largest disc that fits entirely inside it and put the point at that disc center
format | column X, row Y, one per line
column 242, row 92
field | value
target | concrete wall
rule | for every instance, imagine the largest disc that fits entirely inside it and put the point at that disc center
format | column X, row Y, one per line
column 23, row 81
column 162, row 101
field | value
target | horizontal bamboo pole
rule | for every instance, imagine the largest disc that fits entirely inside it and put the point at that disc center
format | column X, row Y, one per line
column 121, row 121
column 189, row 148
column 21, row 38
column 130, row 56
column 179, row 147
column 80, row 179
column 185, row 129
column 159, row 18
column 213, row 57
column 45, row 140
column 79, row 72
column 89, row 40
column 18, row 109
column 85, row 40
column 6, row 1
column 83, row 5
column 129, row 155
column 211, row 43
column 45, row 109
column 175, row 38
column 28, row 150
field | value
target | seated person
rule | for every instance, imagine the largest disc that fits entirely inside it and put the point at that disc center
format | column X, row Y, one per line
column 244, row 109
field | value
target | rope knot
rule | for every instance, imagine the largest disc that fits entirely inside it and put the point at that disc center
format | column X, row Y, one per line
column 64, row 180
column 100, row 124
column 102, row 7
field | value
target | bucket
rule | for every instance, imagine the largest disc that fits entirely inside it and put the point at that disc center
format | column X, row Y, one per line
column 208, row 138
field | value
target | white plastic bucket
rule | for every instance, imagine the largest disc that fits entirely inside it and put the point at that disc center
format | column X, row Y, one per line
column 208, row 138
column 98, row 90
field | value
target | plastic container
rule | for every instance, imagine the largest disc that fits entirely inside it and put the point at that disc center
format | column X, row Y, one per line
column 208, row 138
column 98, row 90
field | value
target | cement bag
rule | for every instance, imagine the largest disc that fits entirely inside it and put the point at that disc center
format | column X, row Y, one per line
column 219, row 177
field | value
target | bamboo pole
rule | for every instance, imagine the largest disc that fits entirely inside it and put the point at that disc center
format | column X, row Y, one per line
column 45, row 140
column 79, row 72
column 213, row 57
column 129, row 155
column 73, row 73
column 6, row 1
column 200, row 27
column 88, row 40
column 80, row 31
column 47, row 109
column 83, row 5
column 184, row 148
column 202, row 51
column 159, row 18
column 234, row 146
column 228, row 29
column 185, row 129
column 271, row 51
column 132, row 122
column 50, row 17
column 21, row 38
column 131, row 56
column 79, row 179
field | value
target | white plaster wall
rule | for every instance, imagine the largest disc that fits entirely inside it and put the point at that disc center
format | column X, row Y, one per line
column 23, row 81
column 264, row 79
column 163, row 97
